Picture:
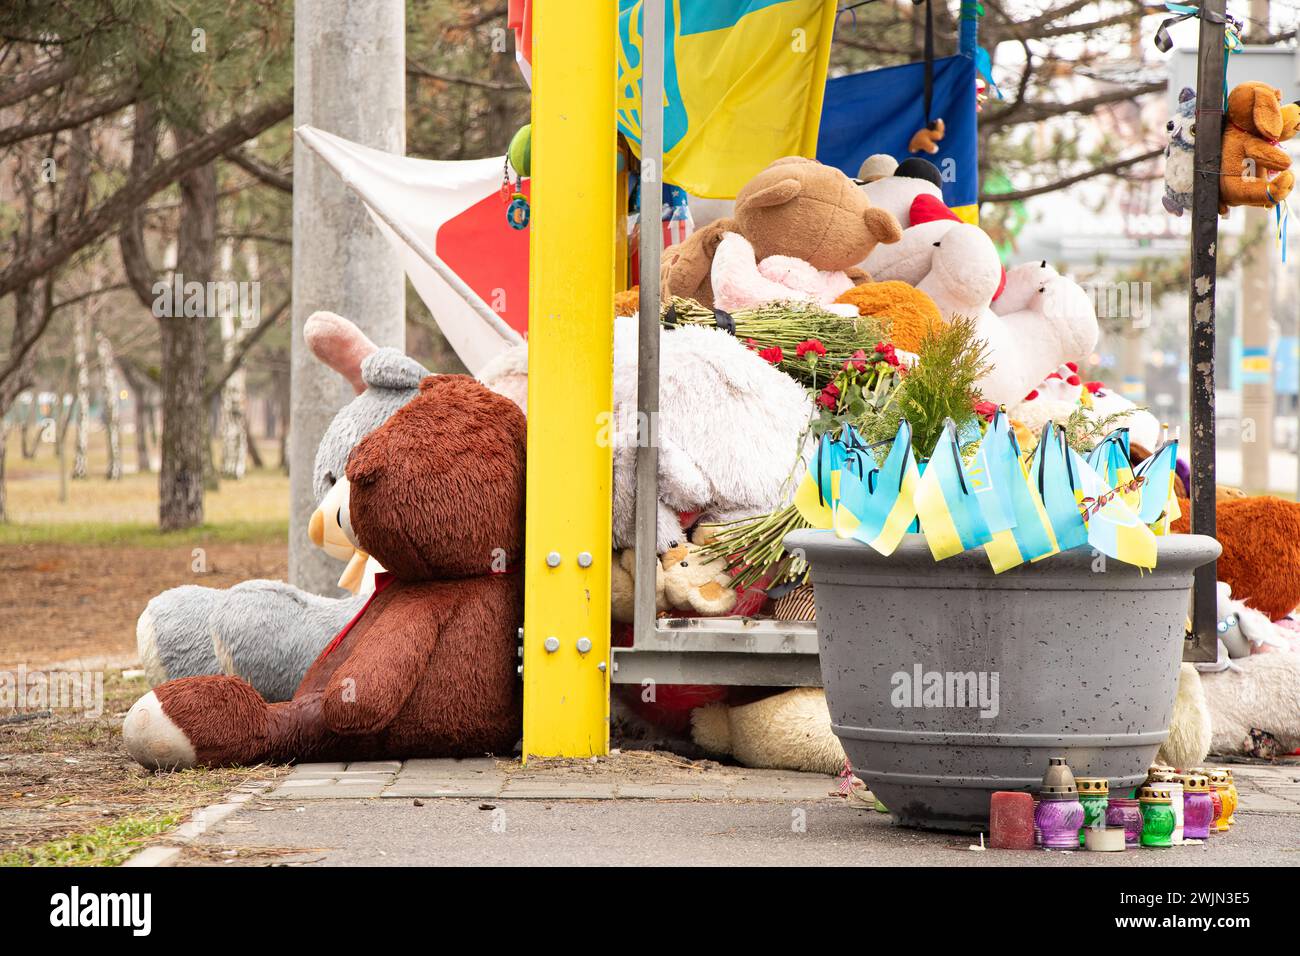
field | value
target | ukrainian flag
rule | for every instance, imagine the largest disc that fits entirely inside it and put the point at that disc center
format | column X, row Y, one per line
column 819, row 488
column 1110, row 459
column 743, row 85
column 876, row 504
column 945, row 503
column 1158, row 505
column 1000, row 475
column 1051, row 475
column 1114, row 528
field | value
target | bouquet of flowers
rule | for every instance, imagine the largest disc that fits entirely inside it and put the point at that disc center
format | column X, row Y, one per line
column 873, row 392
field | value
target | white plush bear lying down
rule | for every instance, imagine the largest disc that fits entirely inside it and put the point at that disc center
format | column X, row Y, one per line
column 730, row 427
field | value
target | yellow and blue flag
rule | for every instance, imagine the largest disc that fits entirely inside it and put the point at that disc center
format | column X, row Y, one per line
column 1110, row 459
column 950, row 517
column 743, row 85
column 1158, row 505
column 1051, row 476
column 876, row 504
column 999, row 475
column 1114, row 528
column 819, row 488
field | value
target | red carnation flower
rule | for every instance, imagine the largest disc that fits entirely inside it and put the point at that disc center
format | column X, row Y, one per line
column 829, row 397
column 809, row 345
column 986, row 410
column 858, row 361
column 772, row 354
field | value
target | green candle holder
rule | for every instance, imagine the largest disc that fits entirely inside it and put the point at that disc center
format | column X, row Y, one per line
column 1094, row 794
column 1157, row 816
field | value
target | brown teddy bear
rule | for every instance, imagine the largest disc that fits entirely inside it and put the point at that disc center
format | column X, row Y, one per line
column 1260, row 536
column 1253, row 170
column 427, row 667
column 795, row 207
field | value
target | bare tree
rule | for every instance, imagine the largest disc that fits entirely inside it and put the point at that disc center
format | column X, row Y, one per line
column 112, row 416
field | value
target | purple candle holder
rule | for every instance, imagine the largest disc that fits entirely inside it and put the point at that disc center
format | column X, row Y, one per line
column 1059, row 818
column 1127, row 813
column 1198, row 806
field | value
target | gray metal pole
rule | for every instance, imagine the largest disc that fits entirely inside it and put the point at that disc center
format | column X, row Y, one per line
column 349, row 79
column 651, row 248
column 1200, row 327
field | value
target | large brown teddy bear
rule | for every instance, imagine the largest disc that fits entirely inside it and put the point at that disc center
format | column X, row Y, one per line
column 1260, row 536
column 795, row 207
column 1251, row 155
column 427, row 668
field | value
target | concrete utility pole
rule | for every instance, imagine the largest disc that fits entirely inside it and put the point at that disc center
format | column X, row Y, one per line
column 1256, row 425
column 349, row 79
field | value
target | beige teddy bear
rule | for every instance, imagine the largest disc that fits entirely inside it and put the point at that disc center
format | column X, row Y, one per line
column 685, row 580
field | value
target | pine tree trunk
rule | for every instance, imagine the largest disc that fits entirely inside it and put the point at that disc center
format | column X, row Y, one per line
column 185, row 359
column 81, row 333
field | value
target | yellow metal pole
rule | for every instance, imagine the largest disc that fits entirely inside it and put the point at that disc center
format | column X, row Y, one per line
column 570, row 342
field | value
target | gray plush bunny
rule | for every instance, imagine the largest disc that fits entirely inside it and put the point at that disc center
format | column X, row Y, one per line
column 269, row 632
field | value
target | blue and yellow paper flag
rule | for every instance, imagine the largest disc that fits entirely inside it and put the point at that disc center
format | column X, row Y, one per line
column 1051, row 476
column 1002, row 476
column 1158, row 505
column 876, row 504
column 950, row 516
column 1114, row 528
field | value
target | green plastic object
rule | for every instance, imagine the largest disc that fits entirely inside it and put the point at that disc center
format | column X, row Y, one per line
column 520, row 152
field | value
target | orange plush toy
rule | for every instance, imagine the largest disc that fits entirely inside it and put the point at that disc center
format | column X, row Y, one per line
column 910, row 315
column 1261, row 550
column 1254, row 171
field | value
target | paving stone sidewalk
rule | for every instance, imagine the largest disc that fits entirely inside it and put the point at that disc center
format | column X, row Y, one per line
column 645, row 809
column 631, row 776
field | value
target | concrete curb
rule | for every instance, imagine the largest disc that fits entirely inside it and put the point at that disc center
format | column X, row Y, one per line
column 165, row 853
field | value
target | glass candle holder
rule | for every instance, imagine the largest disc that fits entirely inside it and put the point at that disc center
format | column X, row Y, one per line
column 1219, row 781
column 1198, row 806
column 1093, row 794
column 1059, row 817
column 1157, row 816
column 1232, row 797
column 1125, row 813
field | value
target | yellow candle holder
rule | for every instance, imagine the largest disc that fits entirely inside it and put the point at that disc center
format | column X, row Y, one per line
column 1221, row 781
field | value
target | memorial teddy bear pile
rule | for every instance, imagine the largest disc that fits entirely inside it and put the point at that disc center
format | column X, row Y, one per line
column 258, row 672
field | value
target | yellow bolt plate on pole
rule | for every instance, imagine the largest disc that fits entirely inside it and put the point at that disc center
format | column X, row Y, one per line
column 570, row 388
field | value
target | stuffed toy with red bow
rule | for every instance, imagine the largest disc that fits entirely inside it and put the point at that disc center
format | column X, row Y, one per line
column 1254, row 170
column 427, row 667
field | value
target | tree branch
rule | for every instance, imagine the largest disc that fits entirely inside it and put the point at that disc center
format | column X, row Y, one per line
column 61, row 121
column 1107, row 170
column 415, row 68
column 1034, row 112
column 36, row 81
column 103, row 217
column 214, row 388
column 263, row 171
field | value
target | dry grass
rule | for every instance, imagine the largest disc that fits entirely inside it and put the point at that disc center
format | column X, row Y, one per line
column 97, row 508
column 69, row 794
column 75, row 576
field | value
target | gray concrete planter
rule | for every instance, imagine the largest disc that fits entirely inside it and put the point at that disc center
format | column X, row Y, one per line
column 947, row 682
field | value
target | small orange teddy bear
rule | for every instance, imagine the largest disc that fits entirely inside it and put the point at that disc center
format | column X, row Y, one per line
column 1253, row 170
